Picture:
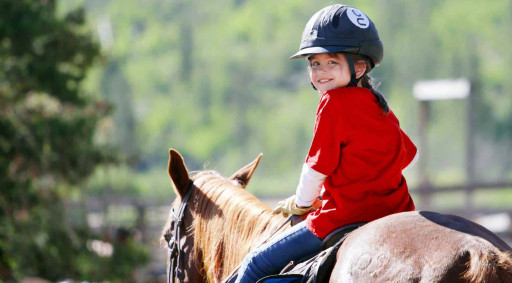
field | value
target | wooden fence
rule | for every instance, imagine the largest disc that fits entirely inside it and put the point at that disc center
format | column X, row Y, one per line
column 147, row 217
column 426, row 192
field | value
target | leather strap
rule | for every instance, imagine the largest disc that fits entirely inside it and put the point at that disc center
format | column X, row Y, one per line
column 174, row 245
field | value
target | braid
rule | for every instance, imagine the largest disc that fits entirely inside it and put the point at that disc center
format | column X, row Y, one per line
column 367, row 82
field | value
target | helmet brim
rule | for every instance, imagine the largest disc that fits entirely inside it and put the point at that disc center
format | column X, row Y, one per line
column 322, row 50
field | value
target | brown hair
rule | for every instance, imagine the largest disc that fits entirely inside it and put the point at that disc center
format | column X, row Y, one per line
column 367, row 82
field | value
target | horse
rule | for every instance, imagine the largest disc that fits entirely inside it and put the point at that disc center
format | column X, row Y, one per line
column 214, row 222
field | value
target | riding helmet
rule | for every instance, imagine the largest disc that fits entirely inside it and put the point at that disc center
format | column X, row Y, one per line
column 341, row 28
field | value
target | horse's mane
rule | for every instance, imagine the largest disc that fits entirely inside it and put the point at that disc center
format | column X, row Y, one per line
column 228, row 223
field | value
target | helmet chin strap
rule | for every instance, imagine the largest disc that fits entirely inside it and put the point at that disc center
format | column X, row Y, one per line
column 350, row 61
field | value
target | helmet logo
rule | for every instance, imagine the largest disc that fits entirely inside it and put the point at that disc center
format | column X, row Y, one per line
column 358, row 18
column 313, row 34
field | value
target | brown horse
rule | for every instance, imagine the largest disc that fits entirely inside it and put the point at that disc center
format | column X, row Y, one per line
column 222, row 222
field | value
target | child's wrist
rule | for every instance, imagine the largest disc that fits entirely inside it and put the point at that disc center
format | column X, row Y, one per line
column 302, row 207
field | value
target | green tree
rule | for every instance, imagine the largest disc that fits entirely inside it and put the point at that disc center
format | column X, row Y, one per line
column 212, row 79
column 47, row 140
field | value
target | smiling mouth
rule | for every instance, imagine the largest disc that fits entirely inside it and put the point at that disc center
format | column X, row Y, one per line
column 322, row 81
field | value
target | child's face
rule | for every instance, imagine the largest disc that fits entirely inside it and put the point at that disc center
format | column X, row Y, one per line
column 329, row 71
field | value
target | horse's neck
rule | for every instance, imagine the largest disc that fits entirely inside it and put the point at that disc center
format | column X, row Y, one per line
column 251, row 228
column 239, row 229
column 238, row 247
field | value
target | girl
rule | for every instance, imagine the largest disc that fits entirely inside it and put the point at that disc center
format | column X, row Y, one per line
column 358, row 150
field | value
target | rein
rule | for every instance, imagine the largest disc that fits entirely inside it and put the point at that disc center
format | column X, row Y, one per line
column 174, row 243
column 175, row 251
column 235, row 271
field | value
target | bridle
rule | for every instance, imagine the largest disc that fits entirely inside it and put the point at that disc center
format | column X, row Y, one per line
column 175, row 251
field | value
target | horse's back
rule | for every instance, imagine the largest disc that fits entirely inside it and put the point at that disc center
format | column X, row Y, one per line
column 421, row 247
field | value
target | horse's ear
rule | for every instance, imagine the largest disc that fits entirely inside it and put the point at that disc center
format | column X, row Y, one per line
column 244, row 174
column 178, row 173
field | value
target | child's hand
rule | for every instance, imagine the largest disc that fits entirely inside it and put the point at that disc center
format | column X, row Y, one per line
column 288, row 206
column 317, row 204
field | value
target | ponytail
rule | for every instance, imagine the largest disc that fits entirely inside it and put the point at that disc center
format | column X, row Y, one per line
column 367, row 82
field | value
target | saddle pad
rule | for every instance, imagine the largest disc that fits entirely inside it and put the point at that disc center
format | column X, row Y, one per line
column 315, row 269
column 282, row 278
column 335, row 236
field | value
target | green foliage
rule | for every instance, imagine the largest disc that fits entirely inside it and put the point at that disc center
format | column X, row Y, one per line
column 47, row 140
column 213, row 80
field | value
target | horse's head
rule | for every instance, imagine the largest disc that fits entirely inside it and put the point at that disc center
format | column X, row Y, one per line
column 179, row 231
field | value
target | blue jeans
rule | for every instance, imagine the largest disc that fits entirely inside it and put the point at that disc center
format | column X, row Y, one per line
column 293, row 244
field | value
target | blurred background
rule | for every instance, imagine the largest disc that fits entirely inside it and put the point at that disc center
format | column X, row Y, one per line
column 94, row 93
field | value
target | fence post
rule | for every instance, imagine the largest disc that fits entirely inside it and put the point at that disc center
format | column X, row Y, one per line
column 426, row 91
column 425, row 185
column 141, row 220
column 470, row 152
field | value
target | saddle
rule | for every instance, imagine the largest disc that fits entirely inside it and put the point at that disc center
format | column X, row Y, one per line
column 317, row 268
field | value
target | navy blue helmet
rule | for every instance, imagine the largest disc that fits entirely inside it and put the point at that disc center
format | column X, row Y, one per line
column 341, row 28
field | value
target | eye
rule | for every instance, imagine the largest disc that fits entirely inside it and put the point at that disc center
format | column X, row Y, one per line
column 168, row 233
column 315, row 63
column 333, row 62
column 167, row 236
